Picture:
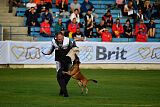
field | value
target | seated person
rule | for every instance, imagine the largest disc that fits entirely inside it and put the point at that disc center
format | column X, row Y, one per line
column 140, row 25
column 45, row 29
column 75, row 14
column 107, row 17
column 48, row 15
column 32, row 19
column 59, row 26
column 151, row 28
column 48, row 3
column 106, row 36
column 72, row 27
column 141, row 36
column 128, row 29
column 100, row 28
column 117, row 29
column 74, row 6
column 147, row 9
column 87, row 5
column 63, row 8
column 31, row 4
column 128, row 9
column 89, row 28
column 88, row 16
column 57, row 4
column 41, row 7
column 16, row 3
column 78, row 35
column 139, row 16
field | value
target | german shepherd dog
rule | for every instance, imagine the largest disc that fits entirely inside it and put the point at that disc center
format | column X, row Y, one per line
column 76, row 74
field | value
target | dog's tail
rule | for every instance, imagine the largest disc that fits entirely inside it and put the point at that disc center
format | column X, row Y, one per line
column 92, row 80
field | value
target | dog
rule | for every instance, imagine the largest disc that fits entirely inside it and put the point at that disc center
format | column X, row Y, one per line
column 76, row 74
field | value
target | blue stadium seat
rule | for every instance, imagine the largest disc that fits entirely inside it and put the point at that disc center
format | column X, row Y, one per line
column 119, row 39
column 44, row 38
column 94, row 39
column 153, row 40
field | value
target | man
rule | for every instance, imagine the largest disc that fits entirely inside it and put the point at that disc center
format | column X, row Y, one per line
column 106, row 36
column 117, row 29
column 45, row 28
column 141, row 36
column 140, row 25
column 59, row 25
column 87, row 5
column 72, row 27
column 100, row 28
column 12, row 3
column 78, row 36
column 74, row 6
column 62, row 46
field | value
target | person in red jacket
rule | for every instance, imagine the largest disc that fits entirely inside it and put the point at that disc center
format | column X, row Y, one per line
column 106, row 36
column 140, row 25
column 72, row 27
column 117, row 29
column 141, row 36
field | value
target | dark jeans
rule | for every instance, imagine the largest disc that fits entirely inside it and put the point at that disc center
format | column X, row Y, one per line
column 63, row 79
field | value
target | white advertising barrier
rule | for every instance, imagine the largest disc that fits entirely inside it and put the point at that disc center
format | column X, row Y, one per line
column 90, row 52
column 4, row 52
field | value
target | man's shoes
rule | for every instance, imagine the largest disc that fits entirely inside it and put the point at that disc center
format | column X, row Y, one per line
column 66, row 95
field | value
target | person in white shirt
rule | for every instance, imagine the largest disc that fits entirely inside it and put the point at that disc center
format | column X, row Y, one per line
column 75, row 15
column 31, row 4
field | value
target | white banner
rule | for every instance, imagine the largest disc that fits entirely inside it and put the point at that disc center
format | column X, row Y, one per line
column 14, row 52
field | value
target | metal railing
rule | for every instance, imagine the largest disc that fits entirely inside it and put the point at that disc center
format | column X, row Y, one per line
column 1, row 33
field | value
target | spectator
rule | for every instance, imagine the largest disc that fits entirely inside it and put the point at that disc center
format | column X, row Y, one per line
column 117, row 29
column 156, row 7
column 139, row 15
column 48, row 15
column 128, row 29
column 58, row 3
column 41, row 7
column 32, row 19
column 59, row 26
column 48, row 3
column 63, row 8
column 16, row 3
column 31, row 4
column 75, row 15
column 45, row 28
column 89, row 28
column 120, row 3
column 141, row 36
column 100, row 28
column 86, row 5
column 107, row 17
column 72, row 27
column 106, row 36
column 78, row 35
column 151, row 28
column 74, row 6
column 140, row 25
column 88, row 16
column 147, row 9
column 128, row 9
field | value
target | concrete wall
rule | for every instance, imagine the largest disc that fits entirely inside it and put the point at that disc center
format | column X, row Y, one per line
column 94, row 66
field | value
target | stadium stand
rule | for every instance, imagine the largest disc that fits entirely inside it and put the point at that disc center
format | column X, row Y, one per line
column 100, row 8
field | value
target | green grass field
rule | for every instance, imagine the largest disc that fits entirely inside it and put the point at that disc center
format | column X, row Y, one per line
column 115, row 88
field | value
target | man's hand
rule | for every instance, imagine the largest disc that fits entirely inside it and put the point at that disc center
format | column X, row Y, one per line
column 46, row 53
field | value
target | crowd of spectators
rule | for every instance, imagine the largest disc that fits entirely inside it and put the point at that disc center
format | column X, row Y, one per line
column 40, row 8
